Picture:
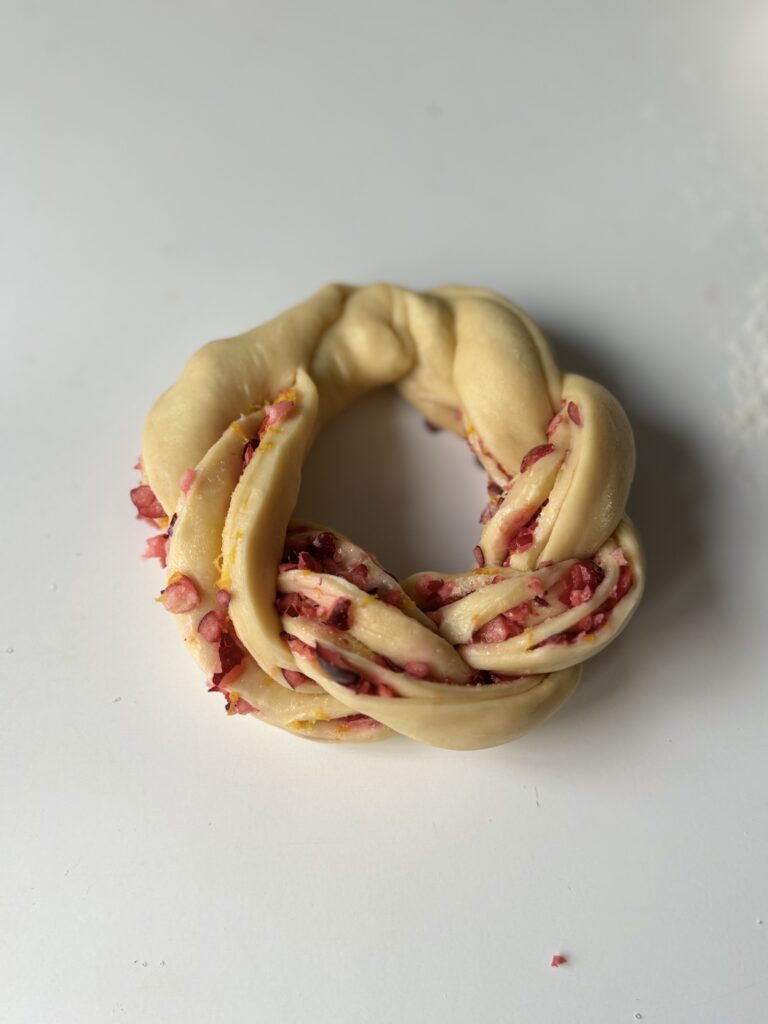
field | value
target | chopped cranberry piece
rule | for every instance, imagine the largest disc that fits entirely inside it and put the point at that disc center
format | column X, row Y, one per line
column 623, row 585
column 338, row 617
column 418, row 669
column 148, row 506
column 356, row 720
column 525, row 536
column 230, row 652
column 434, row 593
column 357, row 575
column 323, row 545
column 535, row 454
column 575, row 413
column 231, row 656
column 489, row 511
column 294, row 605
column 558, row 960
column 209, row 627
column 295, row 679
column 181, row 595
column 274, row 414
column 522, row 540
column 156, row 547
column 558, row 638
column 249, row 450
column 298, row 646
column 428, row 588
column 306, row 561
column 479, row 556
column 496, row 631
column 518, row 615
column 536, row 586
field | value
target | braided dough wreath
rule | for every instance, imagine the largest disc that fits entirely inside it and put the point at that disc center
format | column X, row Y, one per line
column 298, row 626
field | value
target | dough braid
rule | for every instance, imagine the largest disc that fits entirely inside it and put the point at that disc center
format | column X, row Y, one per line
column 297, row 625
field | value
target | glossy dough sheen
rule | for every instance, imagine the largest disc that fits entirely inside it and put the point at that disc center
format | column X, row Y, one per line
column 472, row 363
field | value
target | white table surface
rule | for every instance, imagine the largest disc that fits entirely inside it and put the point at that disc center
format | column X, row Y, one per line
column 175, row 172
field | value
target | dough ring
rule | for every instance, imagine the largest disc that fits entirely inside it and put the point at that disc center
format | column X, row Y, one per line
column 298, row 626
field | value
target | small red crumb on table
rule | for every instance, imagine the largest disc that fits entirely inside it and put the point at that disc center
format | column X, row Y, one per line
column 558, row 960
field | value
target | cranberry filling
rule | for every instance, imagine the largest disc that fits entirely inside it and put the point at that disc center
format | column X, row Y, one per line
column 231, row 656
column 145, row 502
column 434, row 593
column 249, row 449
column 338, row 617
column 274, row 414
column 504, row 626
column 577, row 587
column 323, row 545
column 352, row 720
column 524, row 537
column 586, row 577
column 209, row 627
column 417, row 669
column 319, row 553
column 298, row 646
column 357, row 575
column 580, row 583
column 181, row 595
column 296, row 679
column 157, row 547
column 297, row 604
column 535, row 454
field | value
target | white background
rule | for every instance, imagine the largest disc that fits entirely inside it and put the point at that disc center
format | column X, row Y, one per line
column 173, row 172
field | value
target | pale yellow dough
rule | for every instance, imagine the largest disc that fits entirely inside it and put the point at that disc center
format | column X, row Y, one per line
column 473, row 363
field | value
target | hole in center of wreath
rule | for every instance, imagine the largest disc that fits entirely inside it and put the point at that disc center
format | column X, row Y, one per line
column 409, row 496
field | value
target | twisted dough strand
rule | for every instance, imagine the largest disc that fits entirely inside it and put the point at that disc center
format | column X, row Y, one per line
column 302, row 628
